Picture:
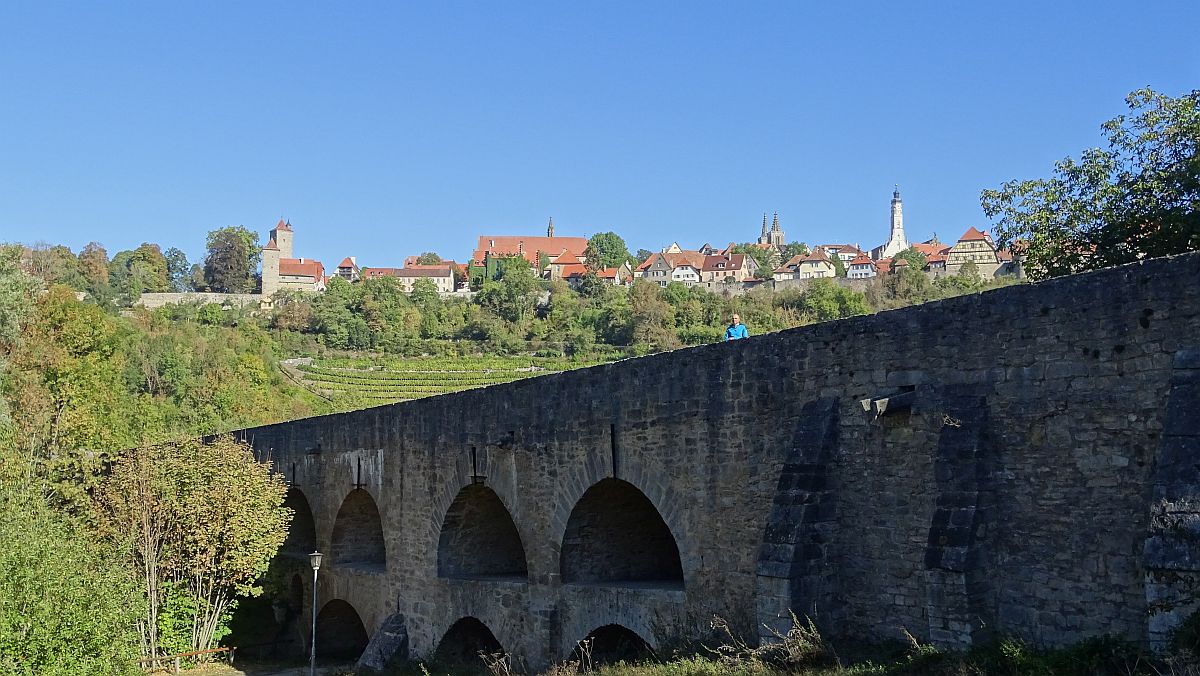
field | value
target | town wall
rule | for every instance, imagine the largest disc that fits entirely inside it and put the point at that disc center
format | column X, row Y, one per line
column 157, row 300
column 983, row 465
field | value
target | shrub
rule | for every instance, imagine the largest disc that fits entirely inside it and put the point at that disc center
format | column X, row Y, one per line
column 66, row 607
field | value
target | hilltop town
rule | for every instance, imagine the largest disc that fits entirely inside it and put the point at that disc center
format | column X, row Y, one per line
column 730, row 269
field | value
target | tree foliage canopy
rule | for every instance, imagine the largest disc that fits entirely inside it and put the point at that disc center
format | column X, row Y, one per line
column 606, row 250
column 232, row 260
column 206, row 519
column 1139, row 197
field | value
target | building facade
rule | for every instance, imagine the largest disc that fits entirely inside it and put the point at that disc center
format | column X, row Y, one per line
column 280, row 271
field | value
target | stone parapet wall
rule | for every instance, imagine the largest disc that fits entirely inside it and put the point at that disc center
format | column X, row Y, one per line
column 157, row 300
column 982, row 465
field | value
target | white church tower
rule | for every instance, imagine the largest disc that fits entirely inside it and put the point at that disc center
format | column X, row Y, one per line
column 897, row 242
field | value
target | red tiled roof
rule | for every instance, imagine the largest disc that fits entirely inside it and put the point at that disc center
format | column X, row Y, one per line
column 817, row 255
column 346, row 263
column 607, row 273
column 283, row 225
column 899, row 263
column 972, row 235
column 407, row 272
column 527, row 247
column 862, row 259
column 574, row 270
column 931, row 249
column 566, row 258
column 1004, row 255
column 732, row 262
column 271, row 245
column 300, row 267
column 936, row 258
column 883, row 265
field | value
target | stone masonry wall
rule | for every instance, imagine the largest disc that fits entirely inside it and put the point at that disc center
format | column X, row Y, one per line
column 980, row 465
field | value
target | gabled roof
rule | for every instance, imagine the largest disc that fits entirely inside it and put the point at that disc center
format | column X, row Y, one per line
column 407, row 272
column 607, row 273
column 565, row 258
column 301, row 267
column 972, row 235
column 731, row 261
column 283, row 225
column 347, row 263
column 840, row 248
column 930, row 249
column 271, row 245
column 574, row 270
column 526, row 247
column 862, row 259
column 816, row 256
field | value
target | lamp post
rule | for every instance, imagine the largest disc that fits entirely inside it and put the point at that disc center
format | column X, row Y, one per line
column 315, row 560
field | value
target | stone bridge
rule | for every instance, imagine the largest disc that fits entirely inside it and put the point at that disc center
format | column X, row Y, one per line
column 1017, row 462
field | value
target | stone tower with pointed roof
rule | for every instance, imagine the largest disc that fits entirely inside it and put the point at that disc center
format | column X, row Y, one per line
column 897, row 242
column 550, row 228
column 774, row 236
column 278, row 247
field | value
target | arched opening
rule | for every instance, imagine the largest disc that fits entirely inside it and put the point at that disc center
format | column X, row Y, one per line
column 616, row 537
column 610, row 644
column 464, row 645
column 302, row 534
column 479, row 539
column 358, row 534
column 341, row 635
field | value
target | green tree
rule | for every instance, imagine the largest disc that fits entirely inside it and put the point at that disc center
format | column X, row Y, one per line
column 513, row 296
column 66, row 606
column 794, row 249
column 824, row 300
column 653, row 319
column 429, row 258
column 1139, row 197
column 232, row 259
column 202, row 519
column 424, row 292
column 93, row 265
column 606, row 250
column 179, row 270
column 56, row 265
column 641, row 256
column 839, row 266
column 915, row 259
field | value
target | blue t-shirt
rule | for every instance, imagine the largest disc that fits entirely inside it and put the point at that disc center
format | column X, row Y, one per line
column 735, row 332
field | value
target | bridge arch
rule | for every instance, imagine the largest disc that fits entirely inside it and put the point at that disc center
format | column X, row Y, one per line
column 302, row 532
column 611, row 643
column 357, row 540
column 462, row 645
column 340, row 632
column 479, row 539
column 615, row 536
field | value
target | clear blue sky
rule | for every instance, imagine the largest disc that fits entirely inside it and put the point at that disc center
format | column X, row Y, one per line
column 385, row 129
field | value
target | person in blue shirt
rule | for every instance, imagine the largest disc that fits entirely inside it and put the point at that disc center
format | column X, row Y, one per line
column 736, row 330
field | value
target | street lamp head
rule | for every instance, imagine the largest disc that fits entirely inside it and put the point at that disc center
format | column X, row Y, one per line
column 315, row 560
